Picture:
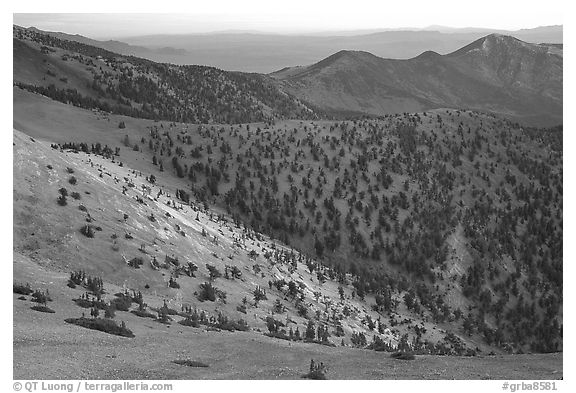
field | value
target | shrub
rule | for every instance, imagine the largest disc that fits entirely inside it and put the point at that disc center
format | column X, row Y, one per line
column 281, row 335
column 69, row 170
column 143, row 314
column 164, row 312
column 121, row 125
column 104, row 325
column 189, row 321
column 207, row 292
column 122, row 303
column 213, row 272
column 22, row 289
column 76, row 278
column 87, row 231
column 110, row 311
column 173, row 284
column 259, row 294
column 75, row 195
column 317, row 371
column 41, row 297
column 62, row 200
column 358, row 340
column 379, row 345
column 402, row 355
column 225, row 324
column 279, row 307
column 136, row 262
column 190, row 363
column 93, row 284
column 72, row 180
column 43, row 309
column 302, row 310
column 86, row 301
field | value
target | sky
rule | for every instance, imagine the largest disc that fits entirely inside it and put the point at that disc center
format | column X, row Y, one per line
column 129, row 18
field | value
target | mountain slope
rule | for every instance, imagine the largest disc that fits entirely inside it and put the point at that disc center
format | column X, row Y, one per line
column 458, row 215
column 136, row 217
column 112, row 45
column 496, row 73
column 92, row 77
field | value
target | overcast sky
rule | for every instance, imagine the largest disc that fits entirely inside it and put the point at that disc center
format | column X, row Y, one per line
column 290, row 16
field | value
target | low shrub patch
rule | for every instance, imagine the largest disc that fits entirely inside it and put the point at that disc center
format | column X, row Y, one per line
column 88, row 301
column 87, row 230
column 317, row 371
column 41, row 297
column 231, row 326
column 189, row 321
column 400, row 355
column 281, row 335
column 122, row 303
column 22, row 289
column 143, row 314
column 103, row 325
column 210, row 293
column 42, row 309
column 190, row 363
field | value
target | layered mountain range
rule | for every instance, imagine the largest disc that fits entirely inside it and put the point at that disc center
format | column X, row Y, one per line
column 497, row 74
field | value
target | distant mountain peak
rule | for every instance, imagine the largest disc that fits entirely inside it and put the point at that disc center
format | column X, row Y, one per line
column 429, row 54
column 343, row 56
column 491, row 43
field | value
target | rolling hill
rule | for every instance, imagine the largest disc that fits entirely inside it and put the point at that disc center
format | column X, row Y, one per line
column 497, row 74
column 92, row 77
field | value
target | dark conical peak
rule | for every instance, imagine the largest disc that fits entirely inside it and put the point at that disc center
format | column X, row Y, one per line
column 343, row 55
column 429, row 54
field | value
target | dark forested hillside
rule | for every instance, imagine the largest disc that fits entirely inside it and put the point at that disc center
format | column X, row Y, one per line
column 91, row 77
column 463, row 208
